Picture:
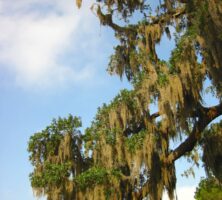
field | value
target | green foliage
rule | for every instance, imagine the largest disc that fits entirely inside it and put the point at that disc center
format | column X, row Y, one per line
column 55, row 153
column 208, row 189
column 111, row 137
column 108, row 193
column 92, row 177
column 162, row 79
column 135, row 141
column 181, row 43
column 53, row 174
column 68, row 125
column 124, row 96
column 45, row 143
column 96, row 176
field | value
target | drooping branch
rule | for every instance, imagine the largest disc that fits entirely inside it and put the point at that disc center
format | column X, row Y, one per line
column 207, row 116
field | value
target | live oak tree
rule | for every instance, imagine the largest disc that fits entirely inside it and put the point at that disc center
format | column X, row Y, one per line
column 209, row 189
column 126, row 152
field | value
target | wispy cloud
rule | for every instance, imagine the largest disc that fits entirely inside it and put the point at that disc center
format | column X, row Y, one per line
column 34, row 37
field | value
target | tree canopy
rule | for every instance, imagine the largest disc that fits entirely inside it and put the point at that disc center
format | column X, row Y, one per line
column 208, row 189
column 126, row 152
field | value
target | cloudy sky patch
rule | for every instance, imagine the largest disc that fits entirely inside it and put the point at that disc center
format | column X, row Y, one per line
column 33, row 40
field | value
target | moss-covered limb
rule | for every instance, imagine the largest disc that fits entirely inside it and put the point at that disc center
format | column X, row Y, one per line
column 126, row 58
column 207, row 116
column 106, row 19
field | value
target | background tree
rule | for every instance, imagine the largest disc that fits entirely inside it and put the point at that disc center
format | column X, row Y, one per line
column 127, row 152
column 208, row 189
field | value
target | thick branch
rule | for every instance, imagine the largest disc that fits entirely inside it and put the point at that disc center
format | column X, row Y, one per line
column 207, row 116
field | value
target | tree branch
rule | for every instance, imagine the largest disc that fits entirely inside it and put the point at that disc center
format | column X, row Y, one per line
column 206, row 116
column 106, row 19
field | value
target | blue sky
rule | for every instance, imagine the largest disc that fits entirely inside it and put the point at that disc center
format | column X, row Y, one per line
column 52, row 62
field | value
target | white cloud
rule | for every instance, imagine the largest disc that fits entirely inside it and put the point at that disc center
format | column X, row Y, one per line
column 34, row 36
column 183, row 193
